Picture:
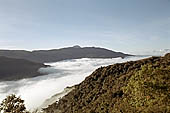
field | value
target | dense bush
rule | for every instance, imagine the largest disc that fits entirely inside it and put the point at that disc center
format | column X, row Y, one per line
column 13, row 104
column 132, row 87
column 148, row 90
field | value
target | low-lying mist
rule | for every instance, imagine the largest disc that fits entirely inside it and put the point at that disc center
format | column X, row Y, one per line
column 62, row 74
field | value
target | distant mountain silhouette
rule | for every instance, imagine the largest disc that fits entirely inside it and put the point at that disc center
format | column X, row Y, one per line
column 14, row 69
column 54, row 55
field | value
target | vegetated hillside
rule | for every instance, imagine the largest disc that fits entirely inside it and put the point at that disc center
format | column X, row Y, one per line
column 14, row 69
column 62, row 54
column 133, row 87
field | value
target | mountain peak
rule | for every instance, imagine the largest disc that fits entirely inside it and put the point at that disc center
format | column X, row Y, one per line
column 55, row 55
column 76, row 46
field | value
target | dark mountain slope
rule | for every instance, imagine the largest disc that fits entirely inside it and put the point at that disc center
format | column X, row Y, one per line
column 132, row 87
column 62, row 54
column 13, row 69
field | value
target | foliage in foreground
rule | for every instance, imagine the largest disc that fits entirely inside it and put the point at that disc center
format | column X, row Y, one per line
column 13, row 104
column 148, row 90
column 133, row 87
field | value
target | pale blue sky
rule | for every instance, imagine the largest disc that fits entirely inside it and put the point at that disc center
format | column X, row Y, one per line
column 123, row 25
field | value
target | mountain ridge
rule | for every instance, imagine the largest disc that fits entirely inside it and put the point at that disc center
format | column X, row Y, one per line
column 54, row 55
column 131, row 87
column 15, row 69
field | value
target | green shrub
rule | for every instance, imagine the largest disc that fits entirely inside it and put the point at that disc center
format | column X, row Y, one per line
column 13, row 104
column 149, row 89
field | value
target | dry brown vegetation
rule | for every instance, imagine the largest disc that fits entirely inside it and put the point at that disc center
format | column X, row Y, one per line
column 137, row 86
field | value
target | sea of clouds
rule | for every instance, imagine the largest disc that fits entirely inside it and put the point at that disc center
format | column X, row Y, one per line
column 57, row 77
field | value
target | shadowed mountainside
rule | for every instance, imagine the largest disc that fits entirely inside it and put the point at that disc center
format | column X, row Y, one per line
column 14, row 69
column 62, row 54
column 132, row 87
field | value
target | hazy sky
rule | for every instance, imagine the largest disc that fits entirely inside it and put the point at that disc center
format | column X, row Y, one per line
column 122, row 25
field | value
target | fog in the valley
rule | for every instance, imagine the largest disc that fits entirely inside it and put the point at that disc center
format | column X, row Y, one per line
column 62, row 74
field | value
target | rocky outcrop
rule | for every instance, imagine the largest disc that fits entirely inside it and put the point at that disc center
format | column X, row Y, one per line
column 14, row 69
column 131, row 87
